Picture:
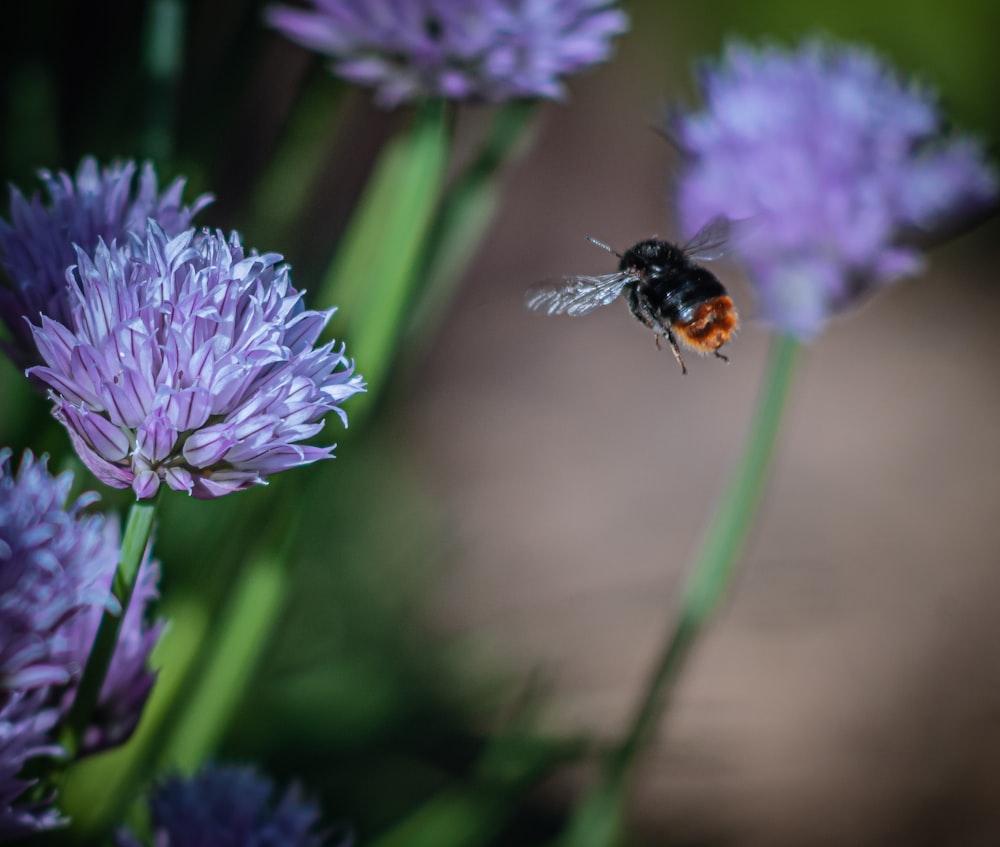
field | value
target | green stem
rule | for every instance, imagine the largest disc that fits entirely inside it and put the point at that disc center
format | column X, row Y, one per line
column 599, row 818
column 465, row 212
column 134, row 544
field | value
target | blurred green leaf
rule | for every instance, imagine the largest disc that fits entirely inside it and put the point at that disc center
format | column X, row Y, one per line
column 466, row 210
column 232, row 650
column 378, row 263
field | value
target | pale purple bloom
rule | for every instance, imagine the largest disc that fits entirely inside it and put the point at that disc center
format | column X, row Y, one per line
column 25, row 729
column 493, row 50
column 190, row 362
column 37, row 245
column 228, row 806
column 834, row 162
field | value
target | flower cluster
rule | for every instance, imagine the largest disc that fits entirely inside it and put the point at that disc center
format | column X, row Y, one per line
column 835, row 161
column 37, row 245
column 56, row 567
column 55, row 562
column 190, row 362
column 227, row 806
column 492, row 50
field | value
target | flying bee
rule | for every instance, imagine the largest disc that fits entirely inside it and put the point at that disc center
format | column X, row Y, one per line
column 664, row 287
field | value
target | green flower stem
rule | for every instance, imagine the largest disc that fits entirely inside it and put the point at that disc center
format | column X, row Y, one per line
column 466, row 211
column 233, row 648
column 134, row 544
column 377, row 266
column 598, row 822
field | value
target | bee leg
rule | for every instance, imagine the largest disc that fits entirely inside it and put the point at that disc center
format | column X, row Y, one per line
column 641, row 310
column 675, row 349
column 719, row 355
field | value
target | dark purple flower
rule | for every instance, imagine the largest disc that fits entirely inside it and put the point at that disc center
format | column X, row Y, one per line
column 25, row 728
column 189, row 362
column 227, row 806
column 492, row 50
column 36, row 247
column 56, row 568
column 835, row 161
column 56, row 564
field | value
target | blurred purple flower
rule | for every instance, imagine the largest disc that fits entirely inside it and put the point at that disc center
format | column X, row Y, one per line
column 492, row 50
column 36, row 247
column 191, row 363
column 25, row 726
column 837, row 163
column 227, row 806
column 56, row 568
column 56, row 564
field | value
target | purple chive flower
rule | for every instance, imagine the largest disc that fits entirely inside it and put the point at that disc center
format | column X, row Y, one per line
column 56, row 564
column 56, row 568
column 838, row 165
column 188, row 361
column 492, row 50
column 37, row 246
column 227, row 806
column 25, row 728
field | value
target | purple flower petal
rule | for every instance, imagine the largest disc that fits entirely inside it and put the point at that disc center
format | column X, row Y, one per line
column 107, row 440
column 145, row 484
column 25, row 725
column 179, row 479
column 209, row 446
column 156, row 436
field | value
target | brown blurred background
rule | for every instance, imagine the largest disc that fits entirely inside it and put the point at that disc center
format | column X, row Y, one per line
column 849, row 692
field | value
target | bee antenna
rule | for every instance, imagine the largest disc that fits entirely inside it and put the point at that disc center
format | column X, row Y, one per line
column 603, row 246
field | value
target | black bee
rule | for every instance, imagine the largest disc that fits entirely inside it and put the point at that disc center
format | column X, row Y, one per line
column 664, row 286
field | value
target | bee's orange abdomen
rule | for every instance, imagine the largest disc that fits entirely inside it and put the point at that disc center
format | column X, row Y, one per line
column 711, row 326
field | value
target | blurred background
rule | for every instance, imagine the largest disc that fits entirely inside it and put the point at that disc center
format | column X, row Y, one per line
column 497, row 547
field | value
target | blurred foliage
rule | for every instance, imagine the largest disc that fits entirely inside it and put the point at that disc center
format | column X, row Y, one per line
column 953, row 48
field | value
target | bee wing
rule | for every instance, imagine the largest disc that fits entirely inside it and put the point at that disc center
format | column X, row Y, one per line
column 711, row 241
column 575, row 295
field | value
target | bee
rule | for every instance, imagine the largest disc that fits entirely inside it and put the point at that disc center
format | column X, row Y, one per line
column 664, row 286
